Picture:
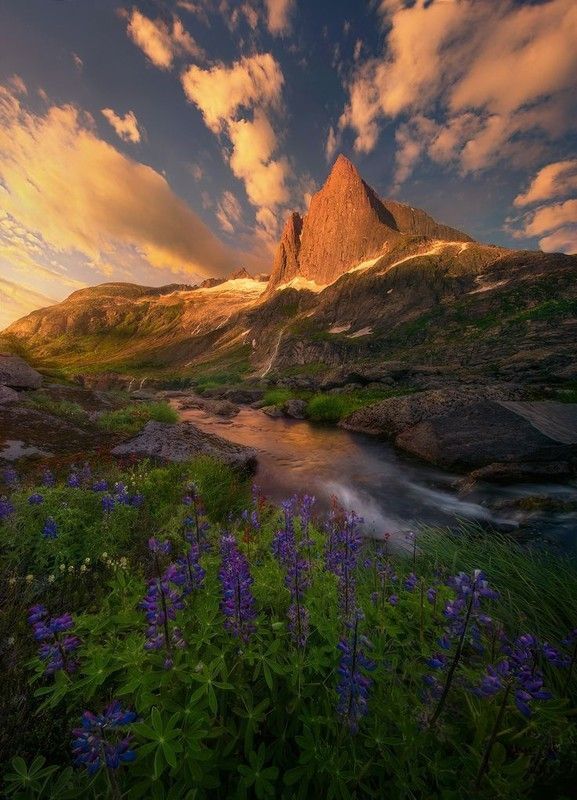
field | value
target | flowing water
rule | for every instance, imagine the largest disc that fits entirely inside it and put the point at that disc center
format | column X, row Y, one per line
column 392, row 492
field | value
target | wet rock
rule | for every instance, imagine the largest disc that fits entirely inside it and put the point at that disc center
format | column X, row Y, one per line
column 295, row 408
column 273, row 411
column 142, row 394
column 244, row 396
column 8, row 395
column 183, row 441
column 17, row 373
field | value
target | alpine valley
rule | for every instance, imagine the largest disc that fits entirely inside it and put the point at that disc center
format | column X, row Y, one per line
column 365, row 295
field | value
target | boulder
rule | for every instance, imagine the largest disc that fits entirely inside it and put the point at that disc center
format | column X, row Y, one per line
column 16, row 373
column 183, row 441
column 273, row 411
column 244, row 396
column 7, row 395
column 295, row 408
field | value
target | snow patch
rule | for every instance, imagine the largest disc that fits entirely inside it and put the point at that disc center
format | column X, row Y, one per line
column 364, row 265
column 362, row 332
column 339, row 328
column 487, row 287
column 299, row 283
column 248, row 285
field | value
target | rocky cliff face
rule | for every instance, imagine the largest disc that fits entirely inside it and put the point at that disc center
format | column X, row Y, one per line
column 347, row 223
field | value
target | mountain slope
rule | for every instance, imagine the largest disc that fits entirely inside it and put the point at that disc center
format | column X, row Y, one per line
column 359, row 284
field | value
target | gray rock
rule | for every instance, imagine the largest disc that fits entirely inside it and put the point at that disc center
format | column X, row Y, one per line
column 183, row 441
column 272, row 411
column 15, row 372
column 295, row 408
column 244, row 396
column 8, row 395
column 142, row 394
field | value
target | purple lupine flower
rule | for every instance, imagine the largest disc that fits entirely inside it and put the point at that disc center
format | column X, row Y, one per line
column 6, row 508
column 48, row 478
column 136, row 500
column 187, row 571
column 159, row 548
column 57, row 644
column 97, row 742
column 100, row 486
column 10, row 477
column 108, row 503
column 394, row 599
column 50, row 529
column 342, row 559
column 462, row 614
column 411, row 581
column 431, row 595
column 161, row 604
column 121, row 494
column 517, row 670
column 237, row 602
column 73, row 480
column 354, row 685
column 297, row 571
column 35, row 499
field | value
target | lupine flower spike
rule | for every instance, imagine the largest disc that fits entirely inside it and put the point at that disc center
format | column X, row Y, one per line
column 101, row 742
column 354, row 685
column 57, row 643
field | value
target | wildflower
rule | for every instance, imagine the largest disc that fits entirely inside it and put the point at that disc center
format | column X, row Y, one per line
column 48, row 478
column 100, row 486
column 431, row 595
column 57, row 644
column 108, row 503
column 187, row 571
column 73, row 480
column 10, row 477
column 157, row 547
column 342, row 558
column 237, row 602
column 394, row 599
column 83, row 568
column 35, row 499
column 96, row 743
column 462, row 614
column 29, row 578
column 6, row 508
column 353, row 686
column 161, row 604
column 51, row 578
column 50, row 530
column 62, row 567
column 297, row 568
column 411, row 581
column 71, row 568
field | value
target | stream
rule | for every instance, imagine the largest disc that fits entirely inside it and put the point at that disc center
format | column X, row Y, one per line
column 391, row 491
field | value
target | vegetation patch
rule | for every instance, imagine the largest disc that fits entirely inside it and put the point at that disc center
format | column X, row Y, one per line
column 67, row 409
column 157, row 645
column 132, row 418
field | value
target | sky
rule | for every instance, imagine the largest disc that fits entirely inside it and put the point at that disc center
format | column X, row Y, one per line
column 163, row 141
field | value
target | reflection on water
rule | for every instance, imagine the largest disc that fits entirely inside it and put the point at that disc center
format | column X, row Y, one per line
column 391, row 492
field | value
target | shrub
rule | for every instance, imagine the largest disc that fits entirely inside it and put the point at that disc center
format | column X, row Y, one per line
column 60, row 408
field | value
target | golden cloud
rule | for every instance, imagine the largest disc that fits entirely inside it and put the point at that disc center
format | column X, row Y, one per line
column 77, row 193
column 126, row 127
column 228, row 212
column 16, row 301
column 552, row 181
column 500, row 73
column 160, row 42
column 278, row 14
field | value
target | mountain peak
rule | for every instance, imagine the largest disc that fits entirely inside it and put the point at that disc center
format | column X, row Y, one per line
column 343, row 169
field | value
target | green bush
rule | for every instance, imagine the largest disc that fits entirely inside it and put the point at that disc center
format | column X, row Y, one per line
column 132, row 418
column 60, row 408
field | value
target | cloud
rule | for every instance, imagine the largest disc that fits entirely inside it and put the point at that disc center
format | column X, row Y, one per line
column 459, row 76
column 126, row 127
column 228, row 212
column 160, row 41
column 278, row 14
column 253, row 145
column 195, row 170
column 331, row 144
column 78, row 62
column 236, row 102
column 16, row 301
column 562, row 241
column 17, row 85
column 552, row 181
column 550, row 217
column 75, row 193
column 220, row 91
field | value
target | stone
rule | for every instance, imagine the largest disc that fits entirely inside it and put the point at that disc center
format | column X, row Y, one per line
column 184, row 441
column 17, row 373
column 272, row 411
column 8, row 395
column 295, row 408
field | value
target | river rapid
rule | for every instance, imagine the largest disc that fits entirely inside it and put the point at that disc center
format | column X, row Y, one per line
column 392, row 492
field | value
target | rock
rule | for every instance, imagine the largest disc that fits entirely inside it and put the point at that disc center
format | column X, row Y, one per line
column 183, row 441
column 244, row 396
column 516, row 472
column 272, row 411
column 295, row 408
column 142, row 394
column 396, row 414
column 222, row 408
column 8, row 395
column 16, row 373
